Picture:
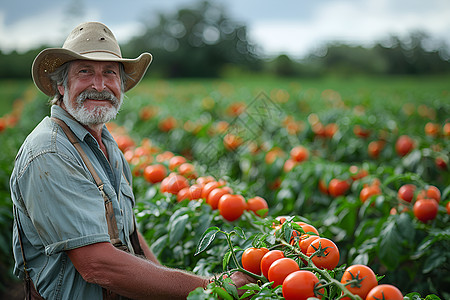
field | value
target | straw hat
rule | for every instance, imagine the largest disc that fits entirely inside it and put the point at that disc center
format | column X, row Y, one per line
column 88, row 41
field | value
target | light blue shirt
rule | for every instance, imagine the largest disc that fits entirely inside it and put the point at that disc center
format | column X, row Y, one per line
column 60, row 207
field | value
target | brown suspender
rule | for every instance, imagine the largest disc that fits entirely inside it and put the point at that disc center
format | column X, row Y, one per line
column 109, row 212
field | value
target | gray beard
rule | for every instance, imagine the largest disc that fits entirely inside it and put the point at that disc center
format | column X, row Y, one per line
column 97, row 116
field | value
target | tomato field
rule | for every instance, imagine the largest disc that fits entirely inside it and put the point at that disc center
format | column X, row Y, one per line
column 331, row 173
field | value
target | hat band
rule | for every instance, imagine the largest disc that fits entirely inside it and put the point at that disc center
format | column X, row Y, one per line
column 101, row 51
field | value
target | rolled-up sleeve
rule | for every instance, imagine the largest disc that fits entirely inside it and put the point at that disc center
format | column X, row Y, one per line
column 64, row 205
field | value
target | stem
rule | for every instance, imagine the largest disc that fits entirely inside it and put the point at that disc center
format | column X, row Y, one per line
column 238, row 266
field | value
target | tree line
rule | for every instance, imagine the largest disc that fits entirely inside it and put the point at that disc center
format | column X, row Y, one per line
column 202, row 41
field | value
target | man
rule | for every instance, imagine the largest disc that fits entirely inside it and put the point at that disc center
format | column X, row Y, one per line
column 61, row 230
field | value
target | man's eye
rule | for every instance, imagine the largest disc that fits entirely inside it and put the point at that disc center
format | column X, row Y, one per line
column 83, row 71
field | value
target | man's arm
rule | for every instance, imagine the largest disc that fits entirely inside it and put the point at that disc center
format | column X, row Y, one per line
column 131, row 276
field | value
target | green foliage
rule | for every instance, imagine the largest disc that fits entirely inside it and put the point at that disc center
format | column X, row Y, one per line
column 410, row 254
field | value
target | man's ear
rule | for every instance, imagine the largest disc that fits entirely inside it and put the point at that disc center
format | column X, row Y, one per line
column 61, row 89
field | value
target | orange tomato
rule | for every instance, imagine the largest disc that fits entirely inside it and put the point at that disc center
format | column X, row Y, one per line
column 155, row 173
column 256, row 204
column 251, row 259
column 231, row 206
column 280, row 269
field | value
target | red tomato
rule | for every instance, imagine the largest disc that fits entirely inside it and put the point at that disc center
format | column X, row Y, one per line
column 385, row 291
column 328, row 257
column 338, row 187
column 299, row 285
column 425, row 209
column 366, row 280
column 231, row 206
column 306, row 241
column 268, row 259
column 280, row 269
column 406, row 192
column 251, row 259
column 404, row 145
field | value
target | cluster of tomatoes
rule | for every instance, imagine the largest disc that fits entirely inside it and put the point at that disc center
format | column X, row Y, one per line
column 176, row 179
column 298, row 272
column 425, row 201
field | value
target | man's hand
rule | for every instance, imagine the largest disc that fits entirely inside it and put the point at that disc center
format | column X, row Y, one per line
column 240, row 279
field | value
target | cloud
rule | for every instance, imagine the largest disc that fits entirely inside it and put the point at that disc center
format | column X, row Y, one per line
column 362, row 23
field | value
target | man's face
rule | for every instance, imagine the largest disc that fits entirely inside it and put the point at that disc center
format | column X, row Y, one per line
column 93, row 94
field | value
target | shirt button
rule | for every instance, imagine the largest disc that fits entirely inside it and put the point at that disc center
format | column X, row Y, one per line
column 121, row 212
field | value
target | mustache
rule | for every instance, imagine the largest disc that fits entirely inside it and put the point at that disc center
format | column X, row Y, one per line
column 96, row 95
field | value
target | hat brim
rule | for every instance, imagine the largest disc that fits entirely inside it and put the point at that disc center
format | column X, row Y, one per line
column 48, row 60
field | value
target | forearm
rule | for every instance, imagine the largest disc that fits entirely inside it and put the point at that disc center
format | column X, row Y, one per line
column 134, row 277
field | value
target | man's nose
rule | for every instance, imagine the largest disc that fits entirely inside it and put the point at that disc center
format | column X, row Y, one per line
column 98, row 83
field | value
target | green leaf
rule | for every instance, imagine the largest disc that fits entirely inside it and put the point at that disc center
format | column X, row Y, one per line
column 177, row 228
column 206, row 239
column 390, row 245
column 226, row 259
column 239, row 232
column 230, row 288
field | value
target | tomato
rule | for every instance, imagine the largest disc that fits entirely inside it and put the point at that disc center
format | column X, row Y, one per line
column 280, row 269
column 268, row 259
column 327, row 257
column 289, row 164
column 425, row 209
column 360, row 131
column 305, row 241
column 251, row 259
column 375, row 147
column 366, row 280
column 256, row 204
column 323, row 187
column 214, row 197
column 187, row 170
column 155, row 173
column 195, row 192
column 406, row 192
column 432, row 129
column 384, row 291
column 307, row 228
column 231, row 206
column 299, row 153
column 338, row 187
column 183, row 194
column 441, row 163
column 299, row 285
column 331, row 129
column 176, row 161
column 369, row 191
column 431, row 192
column 203, row 180
column 404, row 145
column 208, row 188
column 174, row 183
column 447, row 206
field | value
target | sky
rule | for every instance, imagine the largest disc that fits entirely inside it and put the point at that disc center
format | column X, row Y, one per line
column 293, row 27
